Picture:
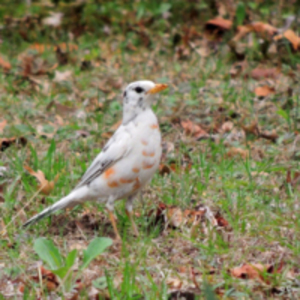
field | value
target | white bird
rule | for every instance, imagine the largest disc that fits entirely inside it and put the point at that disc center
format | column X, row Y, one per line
column 127, row 162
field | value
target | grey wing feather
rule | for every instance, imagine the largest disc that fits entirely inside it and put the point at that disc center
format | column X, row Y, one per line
column 116, row 148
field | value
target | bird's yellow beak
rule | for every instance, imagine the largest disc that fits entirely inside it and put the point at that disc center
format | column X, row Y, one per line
column 158, row 88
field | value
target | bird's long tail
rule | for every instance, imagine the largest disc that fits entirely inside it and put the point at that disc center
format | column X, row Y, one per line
column 70, row 200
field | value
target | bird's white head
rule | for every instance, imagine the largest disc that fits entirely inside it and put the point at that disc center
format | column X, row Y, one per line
column 138, row 96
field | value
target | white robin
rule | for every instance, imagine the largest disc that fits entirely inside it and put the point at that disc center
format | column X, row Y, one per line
column 127, row 162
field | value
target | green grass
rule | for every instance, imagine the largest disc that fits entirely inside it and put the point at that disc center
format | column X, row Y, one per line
column 251, row 194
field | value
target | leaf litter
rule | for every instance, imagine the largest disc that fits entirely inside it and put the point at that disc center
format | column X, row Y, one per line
column 219, row 116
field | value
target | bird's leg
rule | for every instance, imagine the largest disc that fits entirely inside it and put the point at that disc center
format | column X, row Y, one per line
column 129, row 213
column 110, row 209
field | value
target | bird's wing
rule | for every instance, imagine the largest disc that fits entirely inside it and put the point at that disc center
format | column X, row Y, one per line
column 118, row 147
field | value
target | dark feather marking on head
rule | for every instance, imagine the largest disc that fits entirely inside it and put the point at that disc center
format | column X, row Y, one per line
column 140, row 103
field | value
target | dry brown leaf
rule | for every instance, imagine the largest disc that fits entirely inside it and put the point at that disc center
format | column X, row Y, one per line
column 264, row 91
column 249, row 271
column 256, row 271
column 293, row 181
column 49, row 279
column 174, row 216
column 2, row 125
column 194, row 130
column 174, row 283
column 226, row 127
column 6, row 142
column 265, row 30
column 237, row 152
column 221, row 221
column 164, row 169
column 241, row 32
column 291, row 36
column 44, row 186
column 260, row 73
column 269, row 135
column 4, row 64
column 252, row 128
column 218, row 23
column 214, row 29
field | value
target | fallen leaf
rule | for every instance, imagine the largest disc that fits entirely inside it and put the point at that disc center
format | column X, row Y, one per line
column 221, row 221
column 174, row 216
column 265, row 30
column 194, row 130
column 7, row 142
column 264, row 91
column 291, row 36
column 44, row 186
column 218, row 26
column 174, row 283
column 49, row 279
column 293, row 181
column 260, row 73
column 237, row 152
column 251, row 129
column 226, row 127
column 4, row 64
column 249, row 271
column 62, row 76
column 269, row 135
column 2, row 125
column 32, row 65
column 164, row 169
column 256, row 271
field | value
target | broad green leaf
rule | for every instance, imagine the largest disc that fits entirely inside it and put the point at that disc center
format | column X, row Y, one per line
column 70, row 260
column 96, row 247
column 47, row 251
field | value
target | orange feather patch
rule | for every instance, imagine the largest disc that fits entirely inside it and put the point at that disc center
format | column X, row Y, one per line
column 135, row 170
column 113, row 184
column 154, row 126
column 109, row 172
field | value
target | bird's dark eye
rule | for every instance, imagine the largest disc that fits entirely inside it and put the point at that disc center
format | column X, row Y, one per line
column 139, row 90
